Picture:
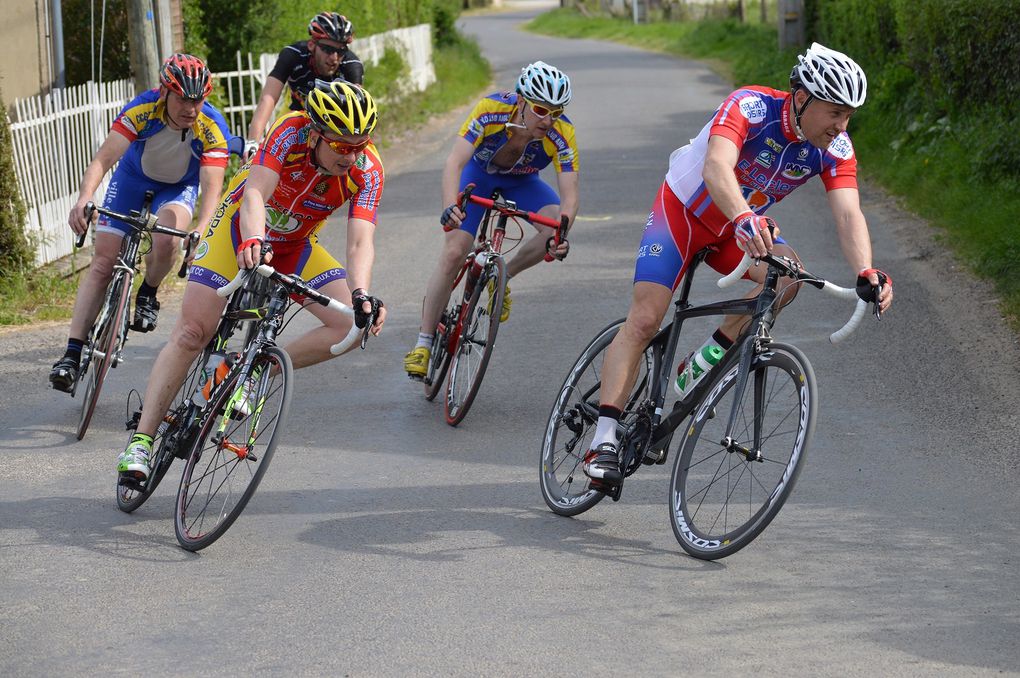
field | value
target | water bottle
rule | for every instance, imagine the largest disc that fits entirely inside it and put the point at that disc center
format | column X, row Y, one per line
column 215, row 371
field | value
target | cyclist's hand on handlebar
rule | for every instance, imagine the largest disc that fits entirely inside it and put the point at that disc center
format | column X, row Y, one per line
column 452, row 217
column 249, row 253
column 872, row 280
column 250, row 146
column 368, row 309
column 754, row 233
column 77, row 219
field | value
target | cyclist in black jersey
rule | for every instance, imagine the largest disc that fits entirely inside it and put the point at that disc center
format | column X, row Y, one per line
column 324, row 56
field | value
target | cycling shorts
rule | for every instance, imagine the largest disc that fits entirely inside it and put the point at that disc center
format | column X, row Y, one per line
column 527, row 190
column 126, row 191
column 215, row 262
column 673, row 235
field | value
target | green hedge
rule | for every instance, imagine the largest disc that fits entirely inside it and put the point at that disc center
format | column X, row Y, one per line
column 15, row 253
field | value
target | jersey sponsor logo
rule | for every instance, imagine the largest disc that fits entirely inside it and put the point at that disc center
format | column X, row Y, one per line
column 475, row 129
column 752, row 178
column 841, row 147
column 753, row 108
column 296, row 176
column 642, row 251
column 203, row 249
column 327, row 276
column 803, row 154
column 773, row 144
column 321, row 187
column 566, row 156
column 313, row 205
column 794, row 171
column 655, row 249
column 764, row 159
column 364, row 162
column 281, row 222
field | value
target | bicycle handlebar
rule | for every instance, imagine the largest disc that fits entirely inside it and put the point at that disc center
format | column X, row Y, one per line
column 299, row 286
column 835, row 290
column 143, row 221
column 509, row 209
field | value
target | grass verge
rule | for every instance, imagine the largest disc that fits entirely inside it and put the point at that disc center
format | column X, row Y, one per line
column 926, row 163
column 461, row 73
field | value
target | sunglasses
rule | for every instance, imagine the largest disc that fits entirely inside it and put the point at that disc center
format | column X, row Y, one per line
column 343, row 148
column 330, row 50
column 543, row 111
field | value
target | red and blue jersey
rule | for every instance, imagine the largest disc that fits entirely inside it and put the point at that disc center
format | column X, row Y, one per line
column 772, row 161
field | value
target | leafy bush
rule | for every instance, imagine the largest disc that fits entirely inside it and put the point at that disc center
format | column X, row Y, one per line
column 15, row 253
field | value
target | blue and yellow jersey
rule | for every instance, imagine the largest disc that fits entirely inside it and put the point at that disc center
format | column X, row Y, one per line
column 162, row 154
column 486, row 129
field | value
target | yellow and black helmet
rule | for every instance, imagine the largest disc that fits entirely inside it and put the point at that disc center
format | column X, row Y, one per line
column 341, row 107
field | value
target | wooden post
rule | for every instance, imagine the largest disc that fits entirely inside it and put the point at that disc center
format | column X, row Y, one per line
column 791, row 23
column 142, row 37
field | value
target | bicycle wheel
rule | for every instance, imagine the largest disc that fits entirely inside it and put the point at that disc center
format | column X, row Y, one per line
column 720, row 500
column 571, row 426
column 104, row 339
column 166, row 442
column 232, row 450
column 477, row 339
column 439, row 362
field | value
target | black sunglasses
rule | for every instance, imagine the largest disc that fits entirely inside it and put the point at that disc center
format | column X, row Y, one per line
column 330, row 49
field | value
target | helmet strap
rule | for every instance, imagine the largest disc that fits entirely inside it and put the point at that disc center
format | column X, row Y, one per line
column 797, row 114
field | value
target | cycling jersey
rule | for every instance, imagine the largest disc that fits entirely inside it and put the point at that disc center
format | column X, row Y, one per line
column 296, row 210
column 162, row 154
column 772, row 161
column 294, row 67
column 485, row 128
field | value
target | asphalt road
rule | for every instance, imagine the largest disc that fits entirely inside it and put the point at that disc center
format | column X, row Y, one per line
column 383, row 542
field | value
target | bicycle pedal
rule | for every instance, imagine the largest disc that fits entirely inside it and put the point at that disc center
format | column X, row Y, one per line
column 416, row 377
column 611, row 491
column 130, row 483
column 654, row 457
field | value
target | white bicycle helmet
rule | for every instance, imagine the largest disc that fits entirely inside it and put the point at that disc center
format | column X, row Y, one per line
column 544, row 84
column 831, row 76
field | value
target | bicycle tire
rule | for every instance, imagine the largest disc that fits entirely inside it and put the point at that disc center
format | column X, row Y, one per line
column 216, row 463
column 164, row 444
column 714, row 493
column 439, row 360
column 476, row 342
column 574, row 415
column 107, row 333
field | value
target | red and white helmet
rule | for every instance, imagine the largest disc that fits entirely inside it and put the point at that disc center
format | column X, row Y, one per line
column 186, row 75
column 331, row 26
column 831, row 76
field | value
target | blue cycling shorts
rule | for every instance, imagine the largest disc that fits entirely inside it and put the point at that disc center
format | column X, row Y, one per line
column 527, row 190
column 127, row 190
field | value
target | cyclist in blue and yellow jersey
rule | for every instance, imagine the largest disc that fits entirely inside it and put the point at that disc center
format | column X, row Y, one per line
column 311, row 164
column 759, row 145
column 324, row 56
column 172, row 142
column 506, row 140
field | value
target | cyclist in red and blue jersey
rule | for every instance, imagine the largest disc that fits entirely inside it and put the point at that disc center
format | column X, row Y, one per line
column 505, row 141
column 311, row 163
column 759, row 146
column 169, row 141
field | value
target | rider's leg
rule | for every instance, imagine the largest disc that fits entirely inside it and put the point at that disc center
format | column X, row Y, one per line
column 163, row 255
column 93, row 285
column 313, row 346
column 456, row 245
column 533, row 251
column 200, row 314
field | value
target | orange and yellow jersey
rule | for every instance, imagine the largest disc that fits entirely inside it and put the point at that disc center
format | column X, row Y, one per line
column 304, row 198
column 160, row 153
column 485, row 128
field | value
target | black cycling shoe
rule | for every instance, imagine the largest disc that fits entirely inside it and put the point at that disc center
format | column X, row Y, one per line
column 602, row 465
column 146, row 312
column 64, row 374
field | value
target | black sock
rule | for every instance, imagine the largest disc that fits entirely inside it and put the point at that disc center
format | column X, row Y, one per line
column 147, row 290
column 74, row 347
column 610, row 411
column 725, row 342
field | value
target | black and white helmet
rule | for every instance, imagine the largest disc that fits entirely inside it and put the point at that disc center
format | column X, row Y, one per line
column 331, row 26
column 831, row 76
column 544, row 84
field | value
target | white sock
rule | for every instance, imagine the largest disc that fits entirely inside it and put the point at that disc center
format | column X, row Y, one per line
column 424, row 340
column 605, row 432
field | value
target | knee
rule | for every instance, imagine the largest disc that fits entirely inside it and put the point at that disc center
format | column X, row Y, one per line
column 189, row 335
column 641, row 326
column 452, row 257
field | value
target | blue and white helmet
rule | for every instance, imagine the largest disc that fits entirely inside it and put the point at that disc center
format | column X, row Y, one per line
column 831, row 76
column 544, row 84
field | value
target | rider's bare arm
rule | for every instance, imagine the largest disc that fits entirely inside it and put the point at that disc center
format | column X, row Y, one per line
column 210, row 179
column 109, row 153
column 267, row 102
column 360, row 253
column 459, row 156
column 567, row 183
column 854, row 237
column 721, row 182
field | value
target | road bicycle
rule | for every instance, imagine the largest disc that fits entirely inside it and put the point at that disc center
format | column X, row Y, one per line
column 104, row 346
column 745, row 428
column 466, row 334
column 225, row 421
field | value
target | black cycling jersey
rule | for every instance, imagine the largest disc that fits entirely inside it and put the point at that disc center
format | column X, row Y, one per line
column 294, row 67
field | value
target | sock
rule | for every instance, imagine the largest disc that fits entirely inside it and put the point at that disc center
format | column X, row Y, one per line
column 74, row 347
column 147, row 290
column 141, row 438
column 605, row 429
column 424, row 340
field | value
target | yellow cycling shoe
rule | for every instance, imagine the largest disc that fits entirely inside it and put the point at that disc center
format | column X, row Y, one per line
column 416, row 363
column 507, row 301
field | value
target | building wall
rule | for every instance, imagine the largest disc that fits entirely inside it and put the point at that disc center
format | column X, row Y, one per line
column 24, row 52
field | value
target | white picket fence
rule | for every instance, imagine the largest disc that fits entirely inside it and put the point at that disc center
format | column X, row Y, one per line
column 56, row 135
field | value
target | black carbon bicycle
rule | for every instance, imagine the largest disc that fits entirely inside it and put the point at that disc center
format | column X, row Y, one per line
column 104, row 346
column 745, row 428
